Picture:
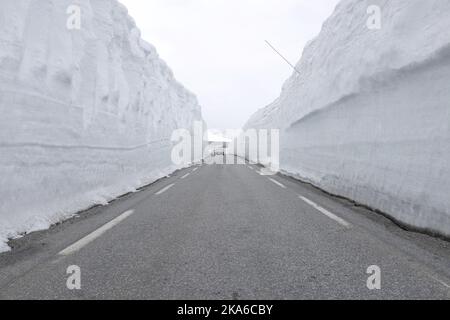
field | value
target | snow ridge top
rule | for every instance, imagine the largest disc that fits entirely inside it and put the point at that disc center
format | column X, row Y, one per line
column 347, row 55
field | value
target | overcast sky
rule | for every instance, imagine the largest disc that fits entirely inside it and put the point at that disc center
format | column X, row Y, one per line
column 217, row 48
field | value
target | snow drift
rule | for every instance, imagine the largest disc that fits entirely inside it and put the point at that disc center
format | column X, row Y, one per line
column 85, row 115
column 367, row 116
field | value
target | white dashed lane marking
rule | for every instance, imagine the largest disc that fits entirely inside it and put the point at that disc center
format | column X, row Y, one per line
column 440, row 281
column 278, row 183
column 185, row 176
column 326, row 212
column 94, row 235
column 165, row 189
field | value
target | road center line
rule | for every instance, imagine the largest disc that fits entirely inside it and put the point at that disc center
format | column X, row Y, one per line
column 251, row 168
column 326, row 212
column 165, row 189
column 185, row 176
column 277, row 183
column 195, row 169
column 94, row 235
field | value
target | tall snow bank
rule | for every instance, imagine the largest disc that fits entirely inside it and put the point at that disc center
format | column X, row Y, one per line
column 85, row 115
column 368, row 115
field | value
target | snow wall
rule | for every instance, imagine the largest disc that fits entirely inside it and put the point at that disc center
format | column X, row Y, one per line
column 86, row 114
column 367, row 116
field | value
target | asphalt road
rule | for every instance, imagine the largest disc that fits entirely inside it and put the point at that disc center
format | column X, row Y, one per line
column 227, row 232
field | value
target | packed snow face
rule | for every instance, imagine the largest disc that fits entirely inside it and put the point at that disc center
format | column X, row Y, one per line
column 86, row 114
column 368, row 115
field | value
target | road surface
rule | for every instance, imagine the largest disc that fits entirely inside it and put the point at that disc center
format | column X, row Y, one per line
column 227, row 232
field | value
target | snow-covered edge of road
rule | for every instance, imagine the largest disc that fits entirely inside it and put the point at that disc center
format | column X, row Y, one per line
column 156, row 176
column 399, row 223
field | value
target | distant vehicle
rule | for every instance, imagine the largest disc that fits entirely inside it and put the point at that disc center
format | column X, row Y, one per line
column 218, row 152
